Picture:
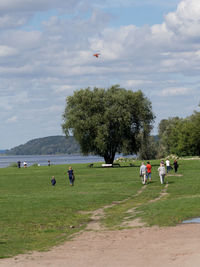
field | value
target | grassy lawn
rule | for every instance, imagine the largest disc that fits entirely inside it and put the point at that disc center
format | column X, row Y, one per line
column 35, row 216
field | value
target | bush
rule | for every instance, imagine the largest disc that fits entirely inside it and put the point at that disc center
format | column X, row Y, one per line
column 13, row 164
column 35, row 165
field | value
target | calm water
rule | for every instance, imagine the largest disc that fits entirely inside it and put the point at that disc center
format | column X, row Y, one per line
column 43, row 160
column 195, row 220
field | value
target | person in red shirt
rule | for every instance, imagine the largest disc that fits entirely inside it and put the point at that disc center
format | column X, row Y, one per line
column 148, row 171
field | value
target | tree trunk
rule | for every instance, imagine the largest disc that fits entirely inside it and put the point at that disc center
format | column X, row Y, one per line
column 109, row 158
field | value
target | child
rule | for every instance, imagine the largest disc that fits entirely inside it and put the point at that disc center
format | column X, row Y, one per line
column 71, row 176
column 53, row 181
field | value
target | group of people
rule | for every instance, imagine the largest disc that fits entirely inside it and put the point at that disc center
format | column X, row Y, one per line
column 145, row 170
column 169, row 167
column 70, row 173
column 71, row 176
column 19, row 164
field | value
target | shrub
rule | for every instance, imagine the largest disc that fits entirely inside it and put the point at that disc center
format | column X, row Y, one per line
column 13, row 164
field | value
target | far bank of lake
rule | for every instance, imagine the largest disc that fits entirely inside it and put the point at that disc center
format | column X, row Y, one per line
column 5, row 161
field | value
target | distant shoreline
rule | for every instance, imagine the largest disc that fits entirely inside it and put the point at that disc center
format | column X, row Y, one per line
column 42, row 160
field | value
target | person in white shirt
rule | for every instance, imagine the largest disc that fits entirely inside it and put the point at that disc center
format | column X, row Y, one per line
column 25, row 164
column 143, row 173
column 167, row 162
column 162, row 173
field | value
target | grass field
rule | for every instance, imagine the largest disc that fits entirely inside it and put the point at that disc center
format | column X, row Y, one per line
column 35, row 216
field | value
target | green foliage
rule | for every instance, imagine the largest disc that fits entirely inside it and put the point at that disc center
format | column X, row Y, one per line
column 35, row 165
column 149, row 148
column 47, row 146
column 13, row 164
column 108, row 121
column 180, row 136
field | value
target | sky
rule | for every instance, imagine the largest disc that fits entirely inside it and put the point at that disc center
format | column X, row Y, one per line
column 47, row 47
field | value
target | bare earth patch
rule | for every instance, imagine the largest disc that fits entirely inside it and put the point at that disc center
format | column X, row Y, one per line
column 94, row 224
column 194, row 158
column 153, row 247
column 177, row 175
column 130, row 213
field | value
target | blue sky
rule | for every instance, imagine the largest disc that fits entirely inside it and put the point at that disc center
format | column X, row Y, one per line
column 46, row 52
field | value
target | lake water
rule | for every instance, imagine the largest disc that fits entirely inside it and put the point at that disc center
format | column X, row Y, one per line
column 5, row 161
column 194, row 220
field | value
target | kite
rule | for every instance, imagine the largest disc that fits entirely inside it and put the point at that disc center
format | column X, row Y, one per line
column 97, row 55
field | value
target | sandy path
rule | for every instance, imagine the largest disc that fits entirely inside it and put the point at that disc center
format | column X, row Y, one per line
column 171, row 246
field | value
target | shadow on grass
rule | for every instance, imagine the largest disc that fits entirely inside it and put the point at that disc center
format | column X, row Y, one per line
column 114, row 167
column 170, row 182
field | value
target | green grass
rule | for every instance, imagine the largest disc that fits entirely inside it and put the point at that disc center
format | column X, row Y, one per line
column 35, row 216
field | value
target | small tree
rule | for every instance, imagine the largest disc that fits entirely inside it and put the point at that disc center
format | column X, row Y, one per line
column 108, row 121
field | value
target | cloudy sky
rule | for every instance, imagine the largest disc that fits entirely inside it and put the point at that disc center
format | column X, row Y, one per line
column 47, row 47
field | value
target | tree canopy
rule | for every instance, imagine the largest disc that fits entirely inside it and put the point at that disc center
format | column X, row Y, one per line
column 181, row 136
column 107, row 121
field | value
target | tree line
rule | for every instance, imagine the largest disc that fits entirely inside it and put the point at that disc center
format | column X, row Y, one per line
column 180, row 136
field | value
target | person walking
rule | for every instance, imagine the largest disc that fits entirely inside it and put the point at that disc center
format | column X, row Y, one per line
column 143, row 173
column 25, row 164
column 53, row 181
column 175, row 165
column 148, row 171
column 71, row 176
column 167, row 162
column 162, row 173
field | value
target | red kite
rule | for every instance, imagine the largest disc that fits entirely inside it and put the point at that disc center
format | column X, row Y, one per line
column 97, row 55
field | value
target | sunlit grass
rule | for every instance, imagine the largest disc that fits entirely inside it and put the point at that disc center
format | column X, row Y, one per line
column 35, row 215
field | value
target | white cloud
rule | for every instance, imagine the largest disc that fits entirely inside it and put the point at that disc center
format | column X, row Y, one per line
column 12, row 119
column 136, row 83
column 15, row 13
column 36, row 5
column 7, row 51
column 185, row 21
column 64, row 88
column 12, row 21
column 176, row 91
column 132, row 3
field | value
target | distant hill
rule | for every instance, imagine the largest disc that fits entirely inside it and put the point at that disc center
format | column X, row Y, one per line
column 2, row 151
column 47, row 146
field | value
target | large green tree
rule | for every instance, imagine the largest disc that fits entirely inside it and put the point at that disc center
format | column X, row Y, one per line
column 105, row 122
column 181, row 136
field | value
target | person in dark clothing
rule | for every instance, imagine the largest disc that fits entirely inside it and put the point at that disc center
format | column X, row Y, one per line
column 53, row 181
column 49, row 163
column 71, row 176
column 175, row 165
column 19, row 164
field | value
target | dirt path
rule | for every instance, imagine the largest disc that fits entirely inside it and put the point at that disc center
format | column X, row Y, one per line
column 140, row 247
column 96, row 216
column 153, row 247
